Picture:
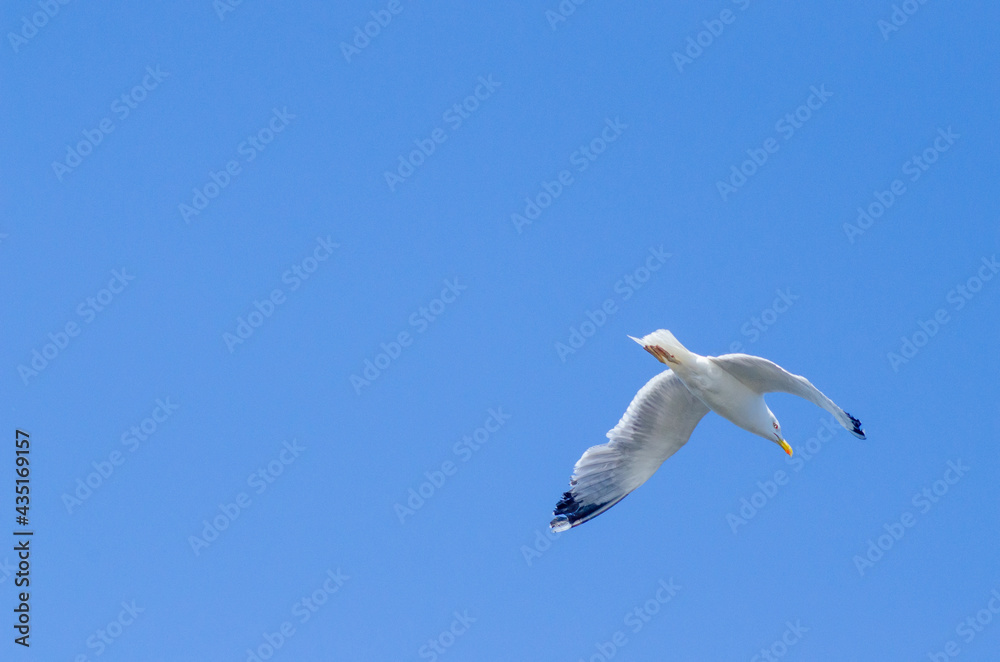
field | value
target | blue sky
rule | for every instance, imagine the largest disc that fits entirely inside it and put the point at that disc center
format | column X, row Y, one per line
column 309, row 326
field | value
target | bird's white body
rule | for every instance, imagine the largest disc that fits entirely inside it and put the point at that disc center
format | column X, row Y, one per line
column 666, row 410
column 725, row 395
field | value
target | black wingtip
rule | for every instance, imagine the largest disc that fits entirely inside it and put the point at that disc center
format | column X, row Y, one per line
column 569, row 512
column 857, row 431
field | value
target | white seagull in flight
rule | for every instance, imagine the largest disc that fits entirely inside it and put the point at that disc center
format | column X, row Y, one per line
column 666, row 410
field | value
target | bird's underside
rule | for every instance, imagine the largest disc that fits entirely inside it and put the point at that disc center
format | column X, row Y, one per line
column 661, row 418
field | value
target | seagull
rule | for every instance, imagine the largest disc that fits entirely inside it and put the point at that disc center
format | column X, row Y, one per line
column 664, row 413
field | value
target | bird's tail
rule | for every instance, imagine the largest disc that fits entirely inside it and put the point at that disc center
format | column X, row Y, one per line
column 666, row 348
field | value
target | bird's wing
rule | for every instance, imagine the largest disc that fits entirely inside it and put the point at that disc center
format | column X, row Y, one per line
column 763, row 376
column 658, row 422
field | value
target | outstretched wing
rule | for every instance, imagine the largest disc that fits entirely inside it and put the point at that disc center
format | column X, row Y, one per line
column 763, row 376
column 658, row 422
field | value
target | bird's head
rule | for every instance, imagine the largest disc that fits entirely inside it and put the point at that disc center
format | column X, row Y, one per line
column 775, row 433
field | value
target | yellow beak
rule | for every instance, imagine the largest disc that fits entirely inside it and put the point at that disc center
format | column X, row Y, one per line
column 785, row 446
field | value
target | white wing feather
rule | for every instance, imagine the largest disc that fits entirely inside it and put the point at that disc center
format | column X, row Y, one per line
column 763, row 376
column 659, row 421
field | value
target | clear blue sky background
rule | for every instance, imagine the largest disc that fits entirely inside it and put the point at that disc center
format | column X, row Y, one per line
column 476, row 545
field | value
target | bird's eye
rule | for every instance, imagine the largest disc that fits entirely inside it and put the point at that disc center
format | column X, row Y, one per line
column 775, row 426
